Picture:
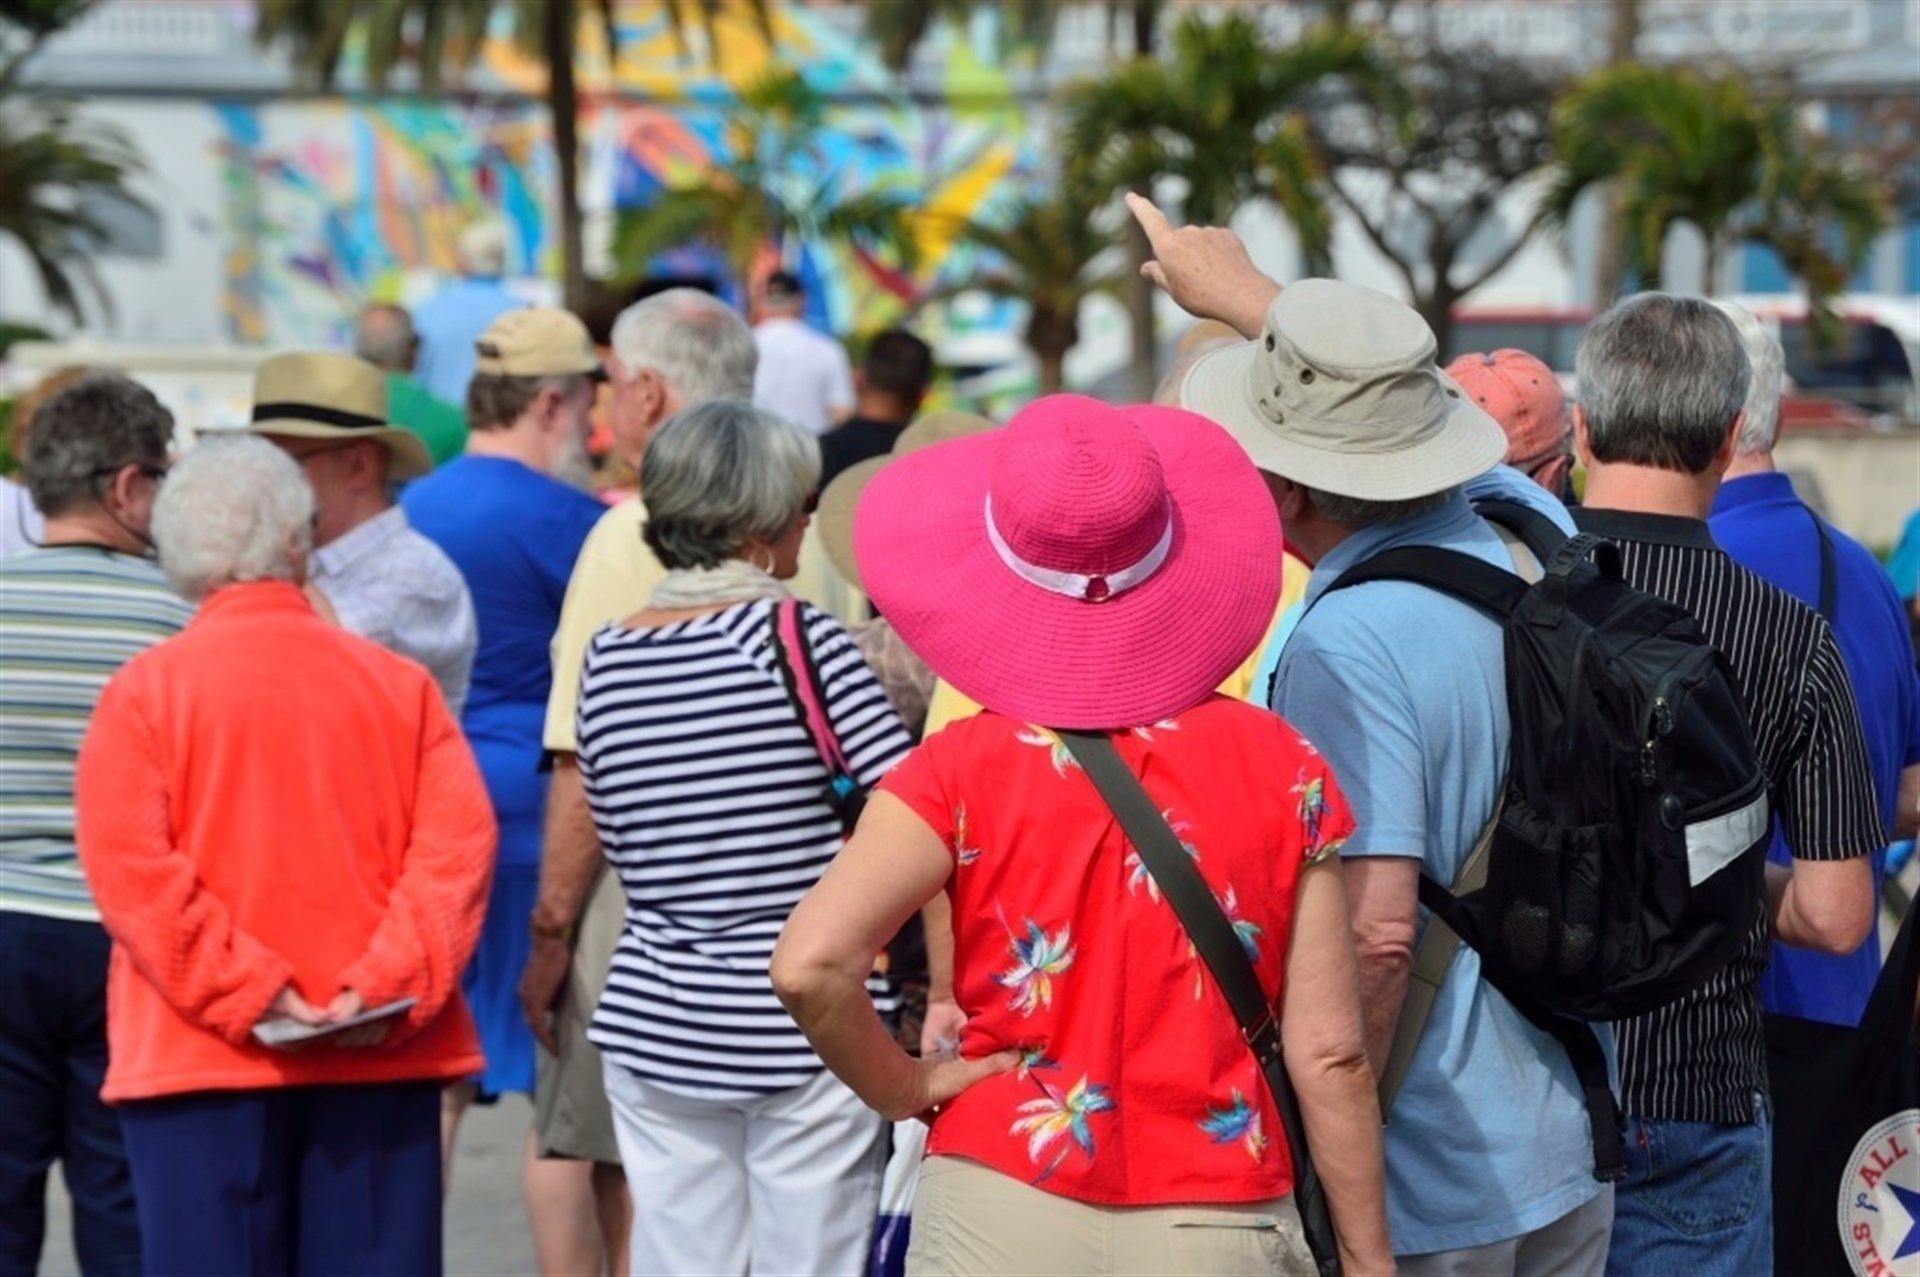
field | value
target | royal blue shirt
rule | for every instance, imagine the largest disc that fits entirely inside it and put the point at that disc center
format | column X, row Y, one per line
column 1761, row 522
column 514, row 534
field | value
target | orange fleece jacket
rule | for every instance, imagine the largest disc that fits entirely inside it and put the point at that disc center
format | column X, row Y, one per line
column 267, row 799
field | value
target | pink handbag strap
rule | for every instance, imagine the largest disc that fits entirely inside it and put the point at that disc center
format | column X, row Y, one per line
column 793, row 644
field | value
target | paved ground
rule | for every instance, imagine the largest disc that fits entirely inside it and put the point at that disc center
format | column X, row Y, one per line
column 486, row 1223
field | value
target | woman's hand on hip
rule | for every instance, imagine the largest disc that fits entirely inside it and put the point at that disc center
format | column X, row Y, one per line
column 935, row 1081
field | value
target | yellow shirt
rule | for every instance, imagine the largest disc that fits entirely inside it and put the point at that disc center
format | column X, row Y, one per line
column 949, row 706
column 613, row 578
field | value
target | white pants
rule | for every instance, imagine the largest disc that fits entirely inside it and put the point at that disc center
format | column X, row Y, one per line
column 785, row 1183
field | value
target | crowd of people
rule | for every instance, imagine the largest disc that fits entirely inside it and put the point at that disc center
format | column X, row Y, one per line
column 378, row 760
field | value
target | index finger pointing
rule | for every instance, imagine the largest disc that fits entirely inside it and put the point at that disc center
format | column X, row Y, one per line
column 1151, row 219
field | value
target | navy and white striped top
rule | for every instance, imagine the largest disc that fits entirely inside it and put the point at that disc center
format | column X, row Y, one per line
column 708, row 796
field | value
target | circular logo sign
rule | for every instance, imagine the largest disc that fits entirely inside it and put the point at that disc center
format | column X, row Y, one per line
column 1880, row 1199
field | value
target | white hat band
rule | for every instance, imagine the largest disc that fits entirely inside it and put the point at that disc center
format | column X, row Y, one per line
column 1094, row 588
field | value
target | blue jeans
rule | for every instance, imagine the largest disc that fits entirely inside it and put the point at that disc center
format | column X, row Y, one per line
column 53, row 1056
column 1697, row 1200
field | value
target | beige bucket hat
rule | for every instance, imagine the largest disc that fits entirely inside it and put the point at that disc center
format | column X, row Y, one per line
column 537, row 341
column 1341, row 393
column 314, row 394
column 833, row 518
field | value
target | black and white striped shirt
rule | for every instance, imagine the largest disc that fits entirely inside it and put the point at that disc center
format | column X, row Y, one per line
column 707, row 793
column 1703, row 1058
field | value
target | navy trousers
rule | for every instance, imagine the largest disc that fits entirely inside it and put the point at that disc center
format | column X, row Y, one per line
column 53, row 1055
column 289, row 1183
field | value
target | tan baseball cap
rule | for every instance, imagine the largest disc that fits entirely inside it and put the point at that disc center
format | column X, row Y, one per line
column 1341, row 393
column 537, row 341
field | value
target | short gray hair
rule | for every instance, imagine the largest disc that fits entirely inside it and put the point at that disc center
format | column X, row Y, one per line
column 1768, row 373
column 83, row 434
column 1358, row 512
column 695, row 341
column 384, row 337
column 1661, row 380
column 720, row 473
column 236, row 509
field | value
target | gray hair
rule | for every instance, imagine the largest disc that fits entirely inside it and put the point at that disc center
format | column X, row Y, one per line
column 1358, row 512
column 1767, row 363
column 482, row 249
column 384, row 337
column 697, row 343
column 1661, row 380
column 721, row 473
column 83, row 434
column 236, row 509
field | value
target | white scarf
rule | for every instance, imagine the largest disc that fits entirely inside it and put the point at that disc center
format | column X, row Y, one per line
column 734, row 581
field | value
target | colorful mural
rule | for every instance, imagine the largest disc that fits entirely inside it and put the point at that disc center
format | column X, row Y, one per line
column 332, row 203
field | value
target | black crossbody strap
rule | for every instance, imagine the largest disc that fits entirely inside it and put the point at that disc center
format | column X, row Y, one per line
column 1829, row 575
column 1213, row 937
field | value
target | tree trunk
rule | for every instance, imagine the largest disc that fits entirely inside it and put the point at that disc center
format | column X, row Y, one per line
column 1143, row 373
column 1623, row 35
column 560, row 19
column 1053, row 369
column 1144, row 366
column 1716, row 259
column 1436, row 307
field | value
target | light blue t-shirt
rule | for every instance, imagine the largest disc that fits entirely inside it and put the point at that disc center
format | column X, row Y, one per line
column 448, row 324
column 1403, row 689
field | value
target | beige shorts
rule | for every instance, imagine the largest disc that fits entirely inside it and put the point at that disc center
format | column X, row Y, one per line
column 968, row 1219
column 571, row 1118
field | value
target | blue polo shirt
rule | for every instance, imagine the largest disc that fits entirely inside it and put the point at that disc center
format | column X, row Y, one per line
column 1761, row 522
column 1404, row 690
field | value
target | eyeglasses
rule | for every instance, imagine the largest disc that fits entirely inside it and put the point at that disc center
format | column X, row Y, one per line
column 155, row 473
column 812, row 504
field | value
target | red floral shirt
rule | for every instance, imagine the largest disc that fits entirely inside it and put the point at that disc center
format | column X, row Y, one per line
column 1136, row 1088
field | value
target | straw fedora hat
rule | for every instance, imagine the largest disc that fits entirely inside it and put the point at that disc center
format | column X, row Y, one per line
column 1341, row 393
column 322, row 395
column 1087, row 566
column 833, row 518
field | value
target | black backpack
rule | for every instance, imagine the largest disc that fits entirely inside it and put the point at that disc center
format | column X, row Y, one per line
column 1625, row 863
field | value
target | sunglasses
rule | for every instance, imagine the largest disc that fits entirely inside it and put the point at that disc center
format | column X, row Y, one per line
column 812, row 503
column 155, row 473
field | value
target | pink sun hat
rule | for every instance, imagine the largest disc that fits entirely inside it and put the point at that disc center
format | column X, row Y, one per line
column 1086, row 566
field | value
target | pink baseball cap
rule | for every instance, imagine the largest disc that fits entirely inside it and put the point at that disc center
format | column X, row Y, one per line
column 1086, row 566
column 1522, row 394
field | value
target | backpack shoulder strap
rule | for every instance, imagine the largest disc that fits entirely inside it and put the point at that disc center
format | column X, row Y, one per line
column 1432, row 958
column 1213, row 937
column 1539, row 533
column 1489, row 588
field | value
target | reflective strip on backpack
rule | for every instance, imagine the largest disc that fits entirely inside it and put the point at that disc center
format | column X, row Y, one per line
column 1715, row 843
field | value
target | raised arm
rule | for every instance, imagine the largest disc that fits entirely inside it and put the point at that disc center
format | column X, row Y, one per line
column 1206, row 269
column 1327, row 1062
column 435, row 908
column 180, row 936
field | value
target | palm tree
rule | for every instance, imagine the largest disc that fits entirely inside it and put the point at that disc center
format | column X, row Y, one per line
column 57, row 173
column 1680, row 146
column 1224, row 115
column 437, row 35
column 770, row 187
column 1051, row 253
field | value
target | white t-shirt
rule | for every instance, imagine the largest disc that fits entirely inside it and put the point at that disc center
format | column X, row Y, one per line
column 20, row 524
column 803, row 375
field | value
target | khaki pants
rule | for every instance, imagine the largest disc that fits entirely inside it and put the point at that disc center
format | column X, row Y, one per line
column 970, row 1220
column 570, row 1114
